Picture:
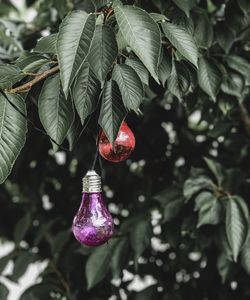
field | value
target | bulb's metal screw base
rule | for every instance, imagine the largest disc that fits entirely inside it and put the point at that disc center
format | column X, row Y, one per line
column 91, row 182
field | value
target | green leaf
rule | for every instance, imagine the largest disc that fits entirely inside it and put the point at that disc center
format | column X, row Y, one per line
column 43, row 230
column 119, row 257
column 121, row 43
column 63, row 7
column 139, row 68
column 112, row 111
column 194, row 185
column 59, row 241
column 233, row 180
column 103, row 51
column 225, row 107
column 99, row 3
column 74, row 133
column 21, row 264
column 240, row 65
column 5, row 260
column 244, row 5
column 40, row 291
column 203, row 32
column 73, row 44
column 142, row 34
column 85, row 5
column 215, row 168
column 21, row 228
column 130, row 86
column 47, row 44
column 233, row 84
column 8, row 39
column 224, row 267
column 129, row 223
column 13, row 128
column 55, row 111
column 169, row 194
column 225, row 36
column 180, row 19
column 4, row 54
column 173, row 295
column 235, row 17
column 245, row 256
column 9, row 75
column 172, row 210
column 220, row 127
column 236, row 226
column 148, row 293
column 6, row 8
column 85, row 92
column 182, row 41
column 185, row 5
column 242, row 203
column 98, row 263
column 140, row 237
column 4, row 292
column 179, row 80
column 172, row 233
column 209, row 77
column 158, row 17
column 31, row 62
column 222, row 242
column 202, row 198
column 210, row 212
column 165, row 68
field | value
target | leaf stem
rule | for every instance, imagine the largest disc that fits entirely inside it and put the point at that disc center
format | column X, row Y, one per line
column 108, row 15
column 125, row 56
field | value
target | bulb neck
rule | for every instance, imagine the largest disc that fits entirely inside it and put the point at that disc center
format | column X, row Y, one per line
column 91, row 182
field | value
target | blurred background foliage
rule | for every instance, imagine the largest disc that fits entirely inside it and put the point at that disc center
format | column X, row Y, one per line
column 180, row 202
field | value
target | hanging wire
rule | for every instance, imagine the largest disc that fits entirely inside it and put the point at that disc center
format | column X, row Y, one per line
column 97, row 159
column 97, row 154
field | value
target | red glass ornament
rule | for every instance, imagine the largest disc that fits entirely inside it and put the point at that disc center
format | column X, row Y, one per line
column 123, row 146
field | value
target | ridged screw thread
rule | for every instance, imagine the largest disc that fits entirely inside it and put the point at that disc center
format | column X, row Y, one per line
column 91, row 182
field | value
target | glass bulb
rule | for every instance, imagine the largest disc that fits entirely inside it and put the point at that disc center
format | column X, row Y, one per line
column 93, row 224
column 123, row 147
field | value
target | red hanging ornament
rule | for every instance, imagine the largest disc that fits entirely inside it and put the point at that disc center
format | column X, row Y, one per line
column 123, row 146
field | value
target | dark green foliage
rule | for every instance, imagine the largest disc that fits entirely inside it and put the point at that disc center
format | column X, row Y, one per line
column 181, row 202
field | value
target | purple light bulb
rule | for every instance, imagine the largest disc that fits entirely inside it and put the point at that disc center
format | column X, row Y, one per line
column 93, row 224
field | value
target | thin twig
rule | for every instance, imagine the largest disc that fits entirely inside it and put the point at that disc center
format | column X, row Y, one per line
column 125, row 56
column 27, row 86
column 108, row 15
column 31, row 74
column 61, row 278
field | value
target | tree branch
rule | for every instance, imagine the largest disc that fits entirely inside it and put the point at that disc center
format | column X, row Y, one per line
column 27, row 86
